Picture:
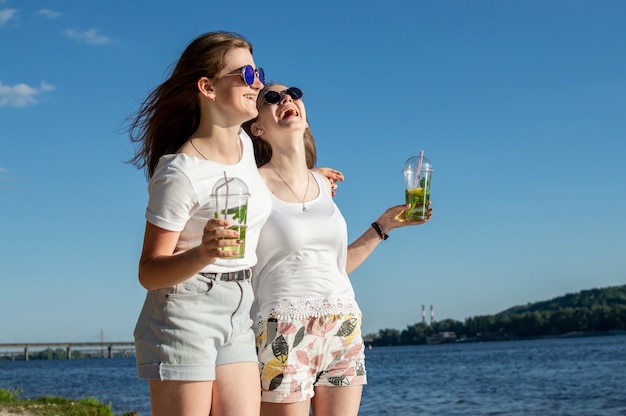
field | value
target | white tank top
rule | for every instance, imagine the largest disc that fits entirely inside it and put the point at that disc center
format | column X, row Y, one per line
column 301, row 267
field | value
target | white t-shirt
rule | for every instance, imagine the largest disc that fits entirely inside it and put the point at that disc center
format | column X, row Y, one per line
column 301, row 268
column 180, row 200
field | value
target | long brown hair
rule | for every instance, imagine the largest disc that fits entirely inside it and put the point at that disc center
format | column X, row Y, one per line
column 263, row 150
column 171, row 112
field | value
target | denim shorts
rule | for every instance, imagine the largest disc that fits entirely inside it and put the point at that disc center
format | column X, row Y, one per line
column 296, row 355
column 184, row 331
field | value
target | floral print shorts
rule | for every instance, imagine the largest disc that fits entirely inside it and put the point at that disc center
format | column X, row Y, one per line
column 296, row 355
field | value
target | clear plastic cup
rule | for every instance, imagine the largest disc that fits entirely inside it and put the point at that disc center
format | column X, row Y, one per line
column 231, row 203
column 418, row 172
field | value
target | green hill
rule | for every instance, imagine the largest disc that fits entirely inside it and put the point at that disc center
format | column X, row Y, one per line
column 607, row 297
column 591, row 312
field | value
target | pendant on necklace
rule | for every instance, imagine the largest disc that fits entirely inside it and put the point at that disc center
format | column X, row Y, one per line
column 308, row 180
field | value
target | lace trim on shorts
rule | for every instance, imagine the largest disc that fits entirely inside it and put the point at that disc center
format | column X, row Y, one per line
column 300, row 309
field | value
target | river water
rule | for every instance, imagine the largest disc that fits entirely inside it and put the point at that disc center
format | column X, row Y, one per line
column 563, row 376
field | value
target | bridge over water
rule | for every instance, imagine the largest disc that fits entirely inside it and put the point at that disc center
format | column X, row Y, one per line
column 109, row 347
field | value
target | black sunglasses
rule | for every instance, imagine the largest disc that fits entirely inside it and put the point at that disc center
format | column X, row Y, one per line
column 273, row 97
column 247, row 74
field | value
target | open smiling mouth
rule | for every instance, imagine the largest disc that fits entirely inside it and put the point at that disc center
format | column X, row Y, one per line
column 288, row 112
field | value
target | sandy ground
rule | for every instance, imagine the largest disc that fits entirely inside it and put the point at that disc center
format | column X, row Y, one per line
column 4, row 412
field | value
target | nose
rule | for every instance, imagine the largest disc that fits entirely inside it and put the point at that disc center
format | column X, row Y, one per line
column 257, row 84
column 285, row 97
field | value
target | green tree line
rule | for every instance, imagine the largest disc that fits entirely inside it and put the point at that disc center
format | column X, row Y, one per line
column 589, row 311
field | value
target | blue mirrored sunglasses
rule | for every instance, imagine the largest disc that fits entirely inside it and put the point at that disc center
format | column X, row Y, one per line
column 273, row 97
column 247, row 74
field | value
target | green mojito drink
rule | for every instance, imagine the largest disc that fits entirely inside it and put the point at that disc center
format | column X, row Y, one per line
column 418, row 173
column 419, row 200
column 231, row 204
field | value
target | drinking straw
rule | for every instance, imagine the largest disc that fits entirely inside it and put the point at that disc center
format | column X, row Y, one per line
column 226, row 207
column 419, row 168
column 226, row 180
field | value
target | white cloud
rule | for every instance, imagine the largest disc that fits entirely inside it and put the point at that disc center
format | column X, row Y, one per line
column 48, row 14
column 6, row 15
column 91, row 36
column 47, row 87
column 21, row 95
column 3, row 170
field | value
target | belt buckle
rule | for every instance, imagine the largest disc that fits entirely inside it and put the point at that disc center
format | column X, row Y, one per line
column 241, row 274
column 229, row 276
column 234, row 276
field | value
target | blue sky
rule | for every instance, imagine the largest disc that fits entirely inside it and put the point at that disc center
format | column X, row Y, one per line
column 520, row 106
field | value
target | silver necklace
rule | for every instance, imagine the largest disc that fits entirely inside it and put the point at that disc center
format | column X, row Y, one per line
column 206, row 158
column 308, row 180
column 197, row 150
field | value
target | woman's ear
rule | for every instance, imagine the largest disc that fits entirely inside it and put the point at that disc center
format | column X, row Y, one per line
column 256, row 129
column 205, row 87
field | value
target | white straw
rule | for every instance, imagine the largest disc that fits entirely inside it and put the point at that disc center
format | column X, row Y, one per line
column 226, row 180
column 226, row 207
column 419, row 168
